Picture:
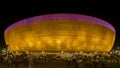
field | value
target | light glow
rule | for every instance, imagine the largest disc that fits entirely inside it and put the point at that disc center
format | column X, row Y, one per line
column 61, row 35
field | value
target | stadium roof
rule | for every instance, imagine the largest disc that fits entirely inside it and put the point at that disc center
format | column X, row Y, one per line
column 63, row 16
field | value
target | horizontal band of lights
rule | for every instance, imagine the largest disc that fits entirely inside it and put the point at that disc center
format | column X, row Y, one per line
column 67, row 35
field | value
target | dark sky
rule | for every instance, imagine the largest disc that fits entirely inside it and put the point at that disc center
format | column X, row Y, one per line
column 12, row 15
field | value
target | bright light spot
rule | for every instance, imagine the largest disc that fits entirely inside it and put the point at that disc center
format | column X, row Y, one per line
column 43, row 52
column 62, row 52
column 30, row 44
column 105, row 42
column 39, row 42
column 17, row 48
column 96, row 40
column 58, row 41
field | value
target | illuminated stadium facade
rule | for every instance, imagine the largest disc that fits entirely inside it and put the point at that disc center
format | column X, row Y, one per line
column 60, row 32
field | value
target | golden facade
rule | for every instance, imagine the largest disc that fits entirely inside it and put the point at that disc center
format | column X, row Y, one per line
column 63, row 35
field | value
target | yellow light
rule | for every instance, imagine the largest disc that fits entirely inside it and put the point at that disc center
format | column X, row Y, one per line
column 58, row 41
column 59, row 35
column 30, row 44
column 17, row 48
column 96, row 40
column 82, row 38
column 39, row 42
column 49, row 41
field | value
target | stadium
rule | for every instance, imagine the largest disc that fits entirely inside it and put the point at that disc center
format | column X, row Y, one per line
column 60, row 32
column 60, row 40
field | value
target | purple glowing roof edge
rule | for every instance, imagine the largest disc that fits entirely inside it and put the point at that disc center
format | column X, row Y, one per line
column 64, row 16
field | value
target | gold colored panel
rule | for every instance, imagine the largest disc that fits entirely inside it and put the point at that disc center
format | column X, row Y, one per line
column 61, row 35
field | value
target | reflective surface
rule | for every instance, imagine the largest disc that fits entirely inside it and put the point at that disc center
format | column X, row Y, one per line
column 60, row 35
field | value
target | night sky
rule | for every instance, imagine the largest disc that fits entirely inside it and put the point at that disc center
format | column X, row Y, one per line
column 12, row 15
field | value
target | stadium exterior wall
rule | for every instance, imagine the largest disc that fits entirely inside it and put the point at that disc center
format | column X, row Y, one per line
column 63, row 32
